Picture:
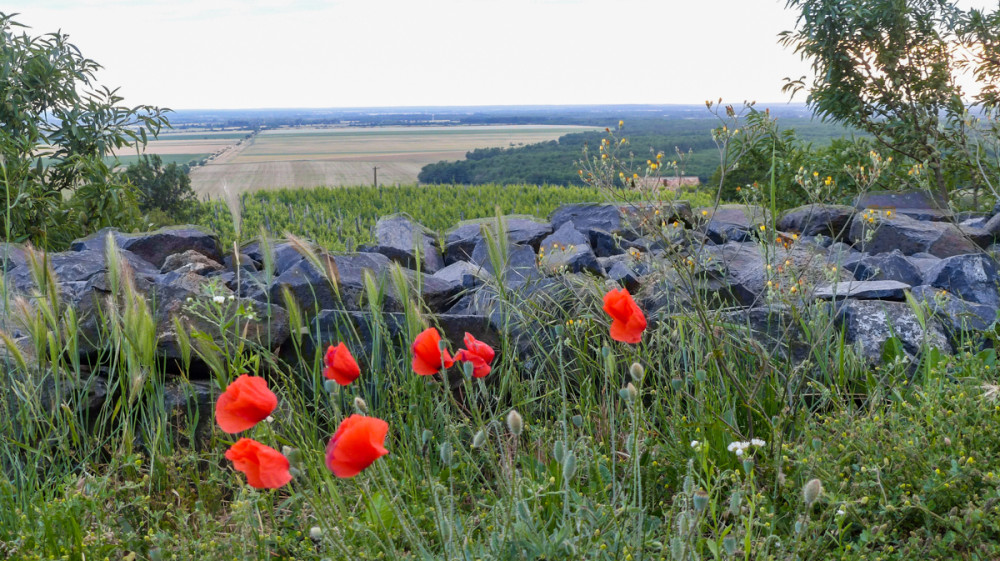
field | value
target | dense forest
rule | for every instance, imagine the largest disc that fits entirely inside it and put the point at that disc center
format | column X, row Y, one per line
column 552, row 162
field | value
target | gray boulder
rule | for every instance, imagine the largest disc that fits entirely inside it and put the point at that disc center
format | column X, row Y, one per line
column 400, row 238
column 863, row 290
column 461, row 241
column 818, row 220
column 877, row 234
column 892, row 266
column 155, row 247
column 970, row 277
column 568, row 250
column 520, row 264
column 868, row 324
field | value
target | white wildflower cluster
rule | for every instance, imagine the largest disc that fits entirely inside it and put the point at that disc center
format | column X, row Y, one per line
column 696, row 445
column 218, row 299
column 740, row 447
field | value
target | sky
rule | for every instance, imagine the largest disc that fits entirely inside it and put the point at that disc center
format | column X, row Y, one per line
column 200, row 54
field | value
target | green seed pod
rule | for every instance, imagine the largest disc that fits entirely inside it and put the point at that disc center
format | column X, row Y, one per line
column 425, row 437
column 747, row 466
column 700, row 375
column 676, row 384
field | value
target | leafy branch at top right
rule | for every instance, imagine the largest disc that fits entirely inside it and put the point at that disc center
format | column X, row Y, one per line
column 921, row 76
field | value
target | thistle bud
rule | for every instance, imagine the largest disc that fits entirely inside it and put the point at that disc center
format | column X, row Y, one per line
column 700, row 500
column 361, row 406
column 812, row 490
column 479, row 439
column 515, row 423
column 637, row 372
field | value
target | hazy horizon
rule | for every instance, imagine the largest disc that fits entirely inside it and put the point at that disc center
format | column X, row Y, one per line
column 297, row 54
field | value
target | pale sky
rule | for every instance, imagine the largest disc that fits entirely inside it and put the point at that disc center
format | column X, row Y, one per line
column 187, row 54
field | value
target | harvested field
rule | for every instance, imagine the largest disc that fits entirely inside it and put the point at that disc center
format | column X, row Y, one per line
column 311, row 157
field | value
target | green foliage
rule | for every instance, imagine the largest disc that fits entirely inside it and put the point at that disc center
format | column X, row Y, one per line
column 552, row 162
column 891, row 67
column 51, row 108
column 163, row 188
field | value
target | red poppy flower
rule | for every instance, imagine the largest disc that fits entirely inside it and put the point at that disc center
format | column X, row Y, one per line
column 478, row 353
column 340, row 365
column 358, row 442
column 627, row 320
column 265, row 467
column 246, row 402
column 428, row 357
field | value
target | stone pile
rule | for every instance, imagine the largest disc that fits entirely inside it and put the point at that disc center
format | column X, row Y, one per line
column 866, row 260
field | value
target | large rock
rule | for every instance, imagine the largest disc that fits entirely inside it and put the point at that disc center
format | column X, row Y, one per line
column 893, row 266
column 818, row 220
column 461, row 241
column 731, row 223
column 919, row 205
column 970, row 277
column 519, row 265
column 588, row 217
column 777, row 328
column 863, row 290
column 155, row 247
column 283, row 255
column 463, row 275
column 400, row 238
column 959, row 317
column 568, row 250
column 313, row 291
column 868, row 324
column 876, row 233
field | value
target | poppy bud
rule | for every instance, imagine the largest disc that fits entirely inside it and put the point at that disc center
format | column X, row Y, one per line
column 812, row 491
column 700, row 500
column 637, row 372
column 747, row 466
column 729, row 544
column 361, row 406
column 446, row 454
column 676, row 384
column 569, row 465
column 558, row 451
column 578, row 420
column 425, row 437
column 515, row 423
column 479, row 439
column 329, row 386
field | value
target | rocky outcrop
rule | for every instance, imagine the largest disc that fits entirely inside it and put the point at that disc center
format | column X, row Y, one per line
column 870, row 263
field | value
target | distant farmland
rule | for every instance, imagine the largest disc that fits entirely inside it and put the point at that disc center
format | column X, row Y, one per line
column 185, row 147
column 311, row 157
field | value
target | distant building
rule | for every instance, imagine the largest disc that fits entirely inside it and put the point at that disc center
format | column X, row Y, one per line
column 671, row 182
